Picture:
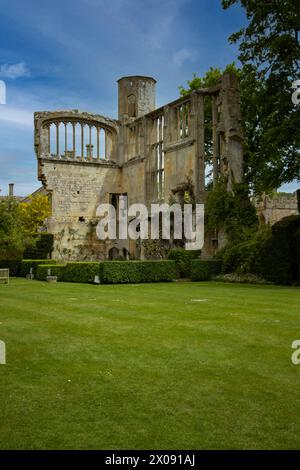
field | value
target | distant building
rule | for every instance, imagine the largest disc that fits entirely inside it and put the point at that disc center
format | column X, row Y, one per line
column 271, row 209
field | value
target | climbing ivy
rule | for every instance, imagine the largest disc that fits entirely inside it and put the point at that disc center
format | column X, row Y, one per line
column 230, row 211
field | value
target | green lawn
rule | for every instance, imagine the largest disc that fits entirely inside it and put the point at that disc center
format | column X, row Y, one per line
column 162, row 366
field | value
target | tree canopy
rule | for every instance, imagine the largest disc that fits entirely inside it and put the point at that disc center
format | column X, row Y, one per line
column 11, row 230
column 269, row 53
column 34, row 213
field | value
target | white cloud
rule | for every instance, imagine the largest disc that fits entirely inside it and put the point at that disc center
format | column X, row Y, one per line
column 19, row 116
column 14, row 71
column 184, row 55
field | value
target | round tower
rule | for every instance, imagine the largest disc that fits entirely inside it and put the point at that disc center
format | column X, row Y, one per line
column 136, row 96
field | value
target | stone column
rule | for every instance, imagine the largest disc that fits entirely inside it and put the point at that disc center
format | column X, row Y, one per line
column 98, row 143
column 215, row 139
column 200, row 148
column 66, row 138
column 82, row 140
column 57, row 138
column 74, row 139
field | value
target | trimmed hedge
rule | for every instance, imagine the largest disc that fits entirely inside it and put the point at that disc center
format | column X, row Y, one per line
column 56, row 270
column 42, row 247
column 203, row 270
column 272, row 253
column 13, row 265
column 133, row 272
column 279, row 257
column 27, row 264
column 183, row 260
column 81, row 271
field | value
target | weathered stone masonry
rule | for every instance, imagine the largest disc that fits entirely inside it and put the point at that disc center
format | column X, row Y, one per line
column 86, row 159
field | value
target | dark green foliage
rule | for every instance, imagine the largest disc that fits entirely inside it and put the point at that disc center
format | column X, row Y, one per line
column 203, row 270
column 273, row 253
column 83, row 272
column 244, row 257
column 11, row 230
column 296, row 254
column 56, row 270
column 26, row 264
column 116, row 272
column 240, row 278
column 183, row 259
column 13, row 265
column 231, row 211
column 41, row 247
column 269, row 53
column 279, row 256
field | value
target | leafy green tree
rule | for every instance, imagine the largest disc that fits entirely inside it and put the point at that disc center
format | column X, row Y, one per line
column 34, row 213
column 232, row 212
column 11, row 230
column 269, row 53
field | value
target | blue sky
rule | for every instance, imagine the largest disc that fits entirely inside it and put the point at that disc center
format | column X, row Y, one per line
column 70, row 53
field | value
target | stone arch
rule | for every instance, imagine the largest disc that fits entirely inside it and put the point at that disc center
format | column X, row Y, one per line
column 113, row 253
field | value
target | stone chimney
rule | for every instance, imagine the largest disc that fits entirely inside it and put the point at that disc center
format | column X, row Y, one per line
column 11, row 189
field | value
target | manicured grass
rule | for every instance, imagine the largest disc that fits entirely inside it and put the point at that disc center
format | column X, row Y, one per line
column 153, row 366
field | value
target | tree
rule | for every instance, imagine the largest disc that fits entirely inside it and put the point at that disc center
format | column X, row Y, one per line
column 269, row 53
column 34, row 213
column 11, row 230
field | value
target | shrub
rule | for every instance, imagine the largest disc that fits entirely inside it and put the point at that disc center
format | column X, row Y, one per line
column 203, row 270
column 279, row 261
column 13, row 265
column 272, row 253
column 240, row 278
column 183, row 259
column 116, row 272
column 41, row 248
column 230, row 210
column 56, row 270
column 27, row 264
column 81, row 271
column 244, row 257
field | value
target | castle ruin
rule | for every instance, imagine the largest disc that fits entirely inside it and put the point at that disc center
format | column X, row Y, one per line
column 147, row 154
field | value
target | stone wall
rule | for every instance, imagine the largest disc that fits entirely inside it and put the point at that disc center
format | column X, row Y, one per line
column 148, row 154
column 271, row 209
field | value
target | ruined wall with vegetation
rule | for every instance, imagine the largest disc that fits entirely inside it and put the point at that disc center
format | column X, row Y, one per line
column 148, row 154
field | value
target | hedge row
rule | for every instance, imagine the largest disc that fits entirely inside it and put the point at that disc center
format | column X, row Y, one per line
column 13, row 265
column 124, row 272
column 27, row 264
column 71, row 272
column 109, row 272
column 81, row 272
column 204, row 270
column 183, row 260
column 272, row 253
column 55, row 270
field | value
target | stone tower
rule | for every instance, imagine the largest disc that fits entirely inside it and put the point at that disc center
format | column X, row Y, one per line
column 136, row 96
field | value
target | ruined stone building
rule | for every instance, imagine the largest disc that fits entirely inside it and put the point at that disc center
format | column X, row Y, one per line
column 148, row 154
column 271, row 209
